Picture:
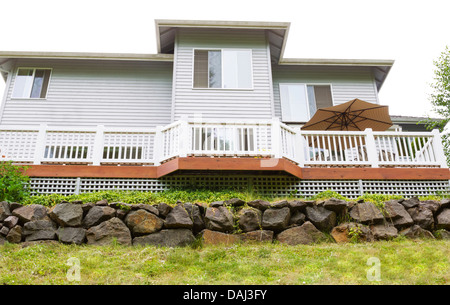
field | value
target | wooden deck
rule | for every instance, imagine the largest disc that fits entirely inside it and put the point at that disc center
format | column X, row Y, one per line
column 261, row 165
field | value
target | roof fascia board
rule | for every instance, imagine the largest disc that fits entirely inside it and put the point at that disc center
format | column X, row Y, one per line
column 336, row 62
column 76, row 55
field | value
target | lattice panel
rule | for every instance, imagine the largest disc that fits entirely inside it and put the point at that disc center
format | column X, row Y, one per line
column 17, row 145
column 277, row 186
column 406, row 188
column 65, row 186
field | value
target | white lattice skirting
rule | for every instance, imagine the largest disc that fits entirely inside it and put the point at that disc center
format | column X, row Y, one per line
column 268, row 185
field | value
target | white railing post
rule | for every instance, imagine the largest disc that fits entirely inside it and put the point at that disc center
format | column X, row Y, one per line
column 371, row 147
column 40, row 144
column 158, row 146
column 97, row 154
column 276, row 138
column 183, row 137
column 439, row 149
column 299, row 148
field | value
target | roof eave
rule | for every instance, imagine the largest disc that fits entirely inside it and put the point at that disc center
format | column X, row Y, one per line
column 85, row 55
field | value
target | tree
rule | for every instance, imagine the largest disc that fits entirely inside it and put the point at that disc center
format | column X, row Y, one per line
column 440, row 98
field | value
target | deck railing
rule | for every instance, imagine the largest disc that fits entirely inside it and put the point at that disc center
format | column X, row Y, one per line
column 254, row 139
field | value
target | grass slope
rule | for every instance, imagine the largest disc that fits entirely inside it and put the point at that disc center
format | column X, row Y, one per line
column 402, row 262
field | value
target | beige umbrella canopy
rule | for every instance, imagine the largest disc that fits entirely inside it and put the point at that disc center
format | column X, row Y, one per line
column 355, row 115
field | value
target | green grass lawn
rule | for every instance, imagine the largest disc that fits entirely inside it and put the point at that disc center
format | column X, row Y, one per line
column 401, row 262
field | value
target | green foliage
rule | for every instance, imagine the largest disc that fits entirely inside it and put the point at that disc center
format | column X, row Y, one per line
column 134, row 197
column 327, row 195
column 378, row 199
column 14, row 184
column 440, row 98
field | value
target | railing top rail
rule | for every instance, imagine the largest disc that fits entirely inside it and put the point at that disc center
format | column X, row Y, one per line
column 174, row 124
column 19, row 128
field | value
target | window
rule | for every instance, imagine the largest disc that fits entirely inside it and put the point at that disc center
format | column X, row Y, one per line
column 299, row 102
column 229, row 69
column 31, row 83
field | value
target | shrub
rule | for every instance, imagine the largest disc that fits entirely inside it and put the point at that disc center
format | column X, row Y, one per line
column 14, row 184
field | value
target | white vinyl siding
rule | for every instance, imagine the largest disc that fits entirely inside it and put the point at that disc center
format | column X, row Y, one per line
column 222, row 103
column 346, row 83
column 90, row 93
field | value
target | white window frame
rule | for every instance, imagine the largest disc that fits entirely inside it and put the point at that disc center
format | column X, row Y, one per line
column 307, row 99
column 222, row 68
column 34, row 71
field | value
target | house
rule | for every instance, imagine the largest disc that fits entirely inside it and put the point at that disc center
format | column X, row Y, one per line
column 218, row 105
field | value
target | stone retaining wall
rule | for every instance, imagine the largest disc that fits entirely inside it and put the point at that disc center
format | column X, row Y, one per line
column 290, row 222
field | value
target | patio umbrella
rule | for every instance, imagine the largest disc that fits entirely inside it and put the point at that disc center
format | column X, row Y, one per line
column 355, row 115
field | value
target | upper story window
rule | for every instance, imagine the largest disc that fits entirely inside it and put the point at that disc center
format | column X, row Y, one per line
column 299, row 102
column 227, row 69
column 31, row 83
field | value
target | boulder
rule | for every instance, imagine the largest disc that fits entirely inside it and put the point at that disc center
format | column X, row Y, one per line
column 276, row 219
column 30, row 212
column 279, row 204
column 297, row 218
column 433, row 205
column 444, row 203
column 322, row 218
column 300, row 205
column 163, row 209
column 42, row 229
column 209, row 237
column 178, row 218
column 4, row 231
column 70, row 235
column 217, row 204
column 11, row 221
column 196, row 216
column 234, row 202
column 14, row 235
column 108, row 231
column 336, row 205
column 384, row 231
column 257, row 235
column 443, row 219
column 249, row 219
column 398, row 214
column 86, row 207
column 98, row 214
column 259, row 204
column 103, row 202
column 442, row 234
column 142, row 222
column 14, row 205
column 219, row 219
column 411, row 202
column 147, row 207
column 349, row 231
column 416, row 231
column 422, row 217
column 67, row 214
column 167, row 238
column 366, row 212
column 305, row 234
column 5, row 211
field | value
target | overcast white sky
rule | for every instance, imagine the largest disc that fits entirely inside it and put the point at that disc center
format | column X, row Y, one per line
column 413, row 33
